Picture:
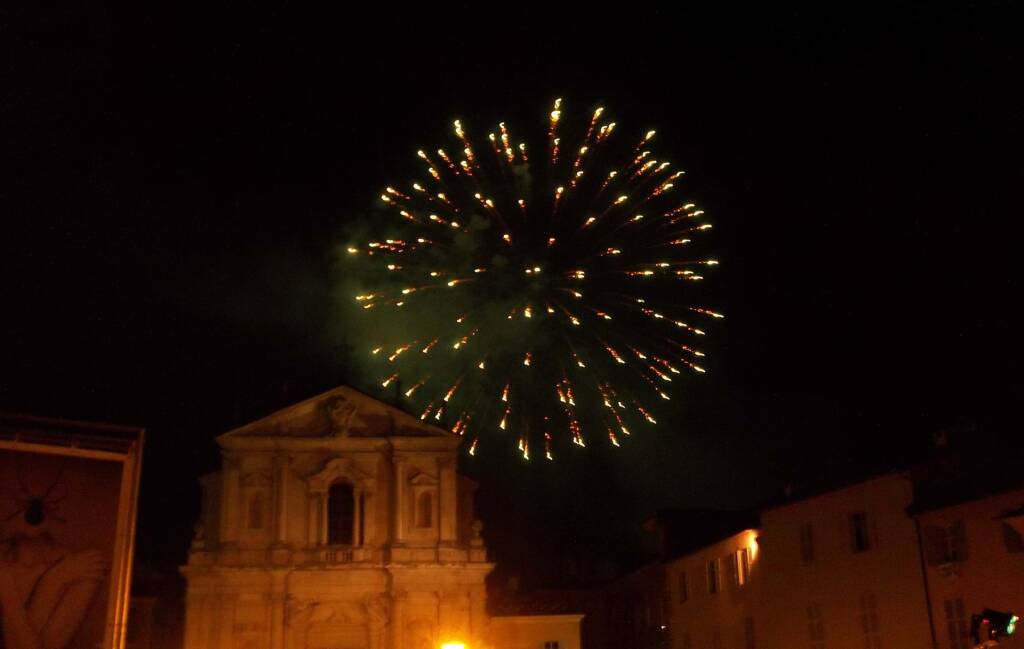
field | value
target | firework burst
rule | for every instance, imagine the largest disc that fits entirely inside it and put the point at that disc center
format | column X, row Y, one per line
column 537, row 294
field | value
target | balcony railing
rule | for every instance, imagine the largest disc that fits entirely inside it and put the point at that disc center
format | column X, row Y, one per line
column 335, row 555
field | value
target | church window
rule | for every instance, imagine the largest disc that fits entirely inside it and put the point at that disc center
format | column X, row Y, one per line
column 340, row 514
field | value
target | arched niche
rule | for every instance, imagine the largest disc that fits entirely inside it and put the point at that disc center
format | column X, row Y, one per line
column 423, row 510
column 256, row 511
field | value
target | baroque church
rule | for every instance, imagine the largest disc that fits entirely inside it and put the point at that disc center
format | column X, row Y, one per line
column 337, row 523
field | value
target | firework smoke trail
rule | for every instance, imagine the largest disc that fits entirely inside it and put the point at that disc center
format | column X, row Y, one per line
column 534, row 298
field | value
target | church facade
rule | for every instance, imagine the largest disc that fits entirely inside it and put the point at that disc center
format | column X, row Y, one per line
column 337, row 523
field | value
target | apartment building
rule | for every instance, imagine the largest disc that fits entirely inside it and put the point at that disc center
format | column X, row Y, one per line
column 879, row 564
column 713, row 595
column 974, row 557
column 842, row 570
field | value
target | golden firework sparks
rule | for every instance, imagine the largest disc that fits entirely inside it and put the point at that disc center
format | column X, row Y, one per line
column 467, row 246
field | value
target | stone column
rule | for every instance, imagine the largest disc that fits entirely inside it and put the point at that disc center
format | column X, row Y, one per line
column 277, row 601
column 357, row 514
column 448, row 505
column 206, row 627
column 377, row 619
column 398, row 621
column 313, row 519
column 478, row 615
column 207, row 622
column 193, row 610
column 369, row 517
column 322, row 516
column 229, row 499
column 401, row 478
column 281, row 463
column 299, row 614
column 226, row 619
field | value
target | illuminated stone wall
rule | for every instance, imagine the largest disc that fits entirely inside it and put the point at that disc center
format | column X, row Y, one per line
column 276, row 565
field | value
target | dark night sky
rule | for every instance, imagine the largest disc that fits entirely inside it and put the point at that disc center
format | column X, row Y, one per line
column 175, row 181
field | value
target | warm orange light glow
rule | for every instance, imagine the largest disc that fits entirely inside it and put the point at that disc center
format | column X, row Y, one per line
column 752, row 546
column 453, row 645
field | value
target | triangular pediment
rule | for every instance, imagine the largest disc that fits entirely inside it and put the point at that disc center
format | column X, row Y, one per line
column 341, row 412
column 422, row 479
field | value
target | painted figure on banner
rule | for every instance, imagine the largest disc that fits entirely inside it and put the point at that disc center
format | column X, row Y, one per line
column 49, row 576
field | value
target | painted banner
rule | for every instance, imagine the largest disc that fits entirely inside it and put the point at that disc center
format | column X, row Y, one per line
column 68, row 495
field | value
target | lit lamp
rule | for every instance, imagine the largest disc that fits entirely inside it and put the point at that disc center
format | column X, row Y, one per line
column 453, row 645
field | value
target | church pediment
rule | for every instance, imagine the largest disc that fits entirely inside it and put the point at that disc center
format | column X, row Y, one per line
column 255, row 480
column 422, row 479
column 339, row 468
column 341, row 412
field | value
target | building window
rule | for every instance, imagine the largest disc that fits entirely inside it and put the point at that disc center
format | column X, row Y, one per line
column 1012, row 539
column 739, row 567
column 551, row 644
column 945, row 544
column 956, row 541
column 956, row 623
column 806, row 543
column 748, row 633
column 425, row 510
column 815, row 627
column 684, row 588
column 255, row 519
column 713, row 576
column 859, row 538
column 340, row 514
column 742, row 566
column 869, row 621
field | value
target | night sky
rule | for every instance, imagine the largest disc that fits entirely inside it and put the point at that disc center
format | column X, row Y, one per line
column 176, row 182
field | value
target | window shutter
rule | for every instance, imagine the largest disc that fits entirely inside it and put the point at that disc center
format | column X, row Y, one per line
column 958, row 541
column 935, row 545
column 1012, row 539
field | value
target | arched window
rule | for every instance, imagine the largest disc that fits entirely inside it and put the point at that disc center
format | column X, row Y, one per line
column 340, row 512
column 425, row 510
column 255, row 521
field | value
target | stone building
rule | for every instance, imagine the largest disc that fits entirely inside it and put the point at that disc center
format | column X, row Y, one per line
column 884, row 562
column 337, row 523
column 973, row 551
